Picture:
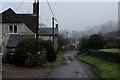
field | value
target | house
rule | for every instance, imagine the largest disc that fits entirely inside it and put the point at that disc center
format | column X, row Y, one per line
column 46, row 33
column 16, row 25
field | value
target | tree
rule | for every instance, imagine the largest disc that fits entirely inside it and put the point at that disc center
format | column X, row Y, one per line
column 62, row 41
column 83, row 44
column 96, row 41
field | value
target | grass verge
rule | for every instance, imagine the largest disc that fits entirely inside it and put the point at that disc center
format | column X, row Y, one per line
column 111, row 50
column 50, row 65
column 103, row 68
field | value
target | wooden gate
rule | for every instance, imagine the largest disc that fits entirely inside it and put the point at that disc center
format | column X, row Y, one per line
column 35, row 59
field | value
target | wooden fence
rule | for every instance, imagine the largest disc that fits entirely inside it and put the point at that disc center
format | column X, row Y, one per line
column 105, row 55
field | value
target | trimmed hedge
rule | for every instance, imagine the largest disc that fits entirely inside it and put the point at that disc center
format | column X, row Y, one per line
column 105, row 55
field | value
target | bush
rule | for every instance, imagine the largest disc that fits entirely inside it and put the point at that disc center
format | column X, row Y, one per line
column 83, row 44
column 111, row 44
column 50, row 52
column 96, row 41
column 32, row 46
column 25, row 46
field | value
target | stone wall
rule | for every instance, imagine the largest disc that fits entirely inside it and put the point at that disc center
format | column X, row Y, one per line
column 105, row 55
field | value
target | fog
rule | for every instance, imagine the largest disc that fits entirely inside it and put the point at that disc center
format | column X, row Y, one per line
column 80, row 16
column 76, row 18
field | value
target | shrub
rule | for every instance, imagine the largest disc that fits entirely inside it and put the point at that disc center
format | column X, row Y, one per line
column 83, row 44
column 111, row 44
column 50, row 52
column 32, row 46
column 25, row 46
column 96, row 41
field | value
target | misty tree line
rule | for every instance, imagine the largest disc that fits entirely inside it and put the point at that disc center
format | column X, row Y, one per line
column 107, row 27
column 110, row 26
column 66, row 35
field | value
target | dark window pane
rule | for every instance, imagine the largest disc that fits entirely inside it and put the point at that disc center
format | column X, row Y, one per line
column 10, row 29
column 15, row 29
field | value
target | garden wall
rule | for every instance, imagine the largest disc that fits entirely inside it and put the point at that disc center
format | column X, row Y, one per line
column 105, row 55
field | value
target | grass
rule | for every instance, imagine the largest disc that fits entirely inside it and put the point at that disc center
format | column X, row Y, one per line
column 103, row 68
column 111, row 50
column 50, row 65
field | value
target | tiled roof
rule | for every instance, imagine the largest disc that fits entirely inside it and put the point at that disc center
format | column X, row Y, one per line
column 9, row 16
column 48, row 31
column 30, row 20
column 15, row 39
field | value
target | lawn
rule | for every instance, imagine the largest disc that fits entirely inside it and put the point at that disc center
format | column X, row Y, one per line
column 103, row 68
column 111, row 50
column 50, row 65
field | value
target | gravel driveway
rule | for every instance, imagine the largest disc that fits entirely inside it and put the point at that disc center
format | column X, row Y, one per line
column 18, row 72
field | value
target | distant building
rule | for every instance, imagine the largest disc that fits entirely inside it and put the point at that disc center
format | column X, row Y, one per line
column 46, row 33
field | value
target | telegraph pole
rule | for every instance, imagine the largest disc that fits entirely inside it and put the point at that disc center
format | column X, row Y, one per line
column 53, row 29
column 37, row 34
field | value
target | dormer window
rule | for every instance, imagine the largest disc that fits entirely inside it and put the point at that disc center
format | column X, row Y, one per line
column 13, row 29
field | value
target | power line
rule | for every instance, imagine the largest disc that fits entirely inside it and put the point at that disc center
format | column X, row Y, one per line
column 19, row 5
column 52, row 12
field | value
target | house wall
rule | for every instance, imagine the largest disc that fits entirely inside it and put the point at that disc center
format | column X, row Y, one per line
column 22, row 30
column 0, row 34
column 46, row 37
column 51, row 39
column 0, row 51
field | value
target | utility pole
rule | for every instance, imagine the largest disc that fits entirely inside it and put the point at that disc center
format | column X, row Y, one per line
column 37, row 34
column 53, row 29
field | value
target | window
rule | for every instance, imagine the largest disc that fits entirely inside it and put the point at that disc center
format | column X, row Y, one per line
column 13, row 29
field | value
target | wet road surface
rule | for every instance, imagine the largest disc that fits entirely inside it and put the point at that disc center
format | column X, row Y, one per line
column 72, row 68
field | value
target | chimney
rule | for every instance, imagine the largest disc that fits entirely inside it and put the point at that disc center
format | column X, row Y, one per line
column 35, row 7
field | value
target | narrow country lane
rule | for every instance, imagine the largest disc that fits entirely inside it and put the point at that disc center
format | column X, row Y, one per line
column 72, row 68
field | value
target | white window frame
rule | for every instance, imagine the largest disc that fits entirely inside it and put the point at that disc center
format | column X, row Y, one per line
column 13, row 26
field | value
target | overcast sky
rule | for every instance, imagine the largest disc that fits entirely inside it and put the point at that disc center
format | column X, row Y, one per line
column 71, row 15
